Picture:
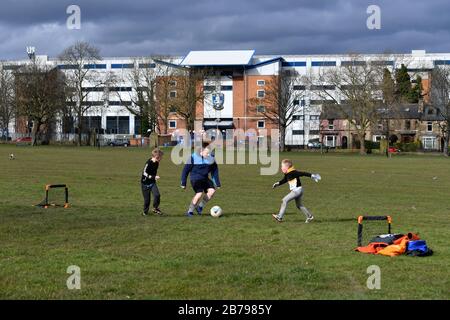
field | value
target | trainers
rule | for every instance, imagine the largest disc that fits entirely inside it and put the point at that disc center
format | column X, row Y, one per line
column 309, row 219
column 157, row 211
column 189, row 214
column 199, row 210
column 277, row 218
column 145, row 213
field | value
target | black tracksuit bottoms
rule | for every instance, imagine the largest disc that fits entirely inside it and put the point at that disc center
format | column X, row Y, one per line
column 146, row 191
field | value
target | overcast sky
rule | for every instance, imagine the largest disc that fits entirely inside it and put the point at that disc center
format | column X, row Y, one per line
column 144, row 27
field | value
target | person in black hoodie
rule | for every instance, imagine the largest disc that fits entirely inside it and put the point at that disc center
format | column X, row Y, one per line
column 148, row 183
column 292, row 177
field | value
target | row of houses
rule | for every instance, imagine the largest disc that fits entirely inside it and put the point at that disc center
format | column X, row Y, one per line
column 243, row 76
column 406, row 123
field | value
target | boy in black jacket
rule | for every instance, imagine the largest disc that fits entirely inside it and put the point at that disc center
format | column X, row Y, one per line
column 148, row 182
column 292, row 177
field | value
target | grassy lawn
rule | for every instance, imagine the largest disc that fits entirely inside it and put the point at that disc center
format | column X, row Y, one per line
column 243, row 255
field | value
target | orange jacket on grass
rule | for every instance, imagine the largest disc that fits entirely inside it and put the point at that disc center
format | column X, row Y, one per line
column 372, row 247
column 397, row 248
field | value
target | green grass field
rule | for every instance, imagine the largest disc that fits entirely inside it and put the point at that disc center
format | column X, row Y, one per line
column 243, row 255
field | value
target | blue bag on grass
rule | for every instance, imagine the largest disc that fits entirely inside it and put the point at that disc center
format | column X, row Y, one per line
column 418, row 248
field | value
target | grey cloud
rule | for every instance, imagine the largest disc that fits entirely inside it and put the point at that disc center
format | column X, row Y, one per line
column 140, row 27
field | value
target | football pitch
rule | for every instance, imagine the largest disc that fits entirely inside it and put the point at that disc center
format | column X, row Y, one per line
column 242, row 255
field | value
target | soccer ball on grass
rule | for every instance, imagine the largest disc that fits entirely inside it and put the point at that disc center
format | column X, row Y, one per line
column 216, row 211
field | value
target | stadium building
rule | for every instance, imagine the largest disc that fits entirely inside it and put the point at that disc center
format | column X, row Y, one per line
column 235, row 98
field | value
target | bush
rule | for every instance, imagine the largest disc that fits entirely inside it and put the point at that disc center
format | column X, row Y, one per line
column 408, row 147
column 370, row 145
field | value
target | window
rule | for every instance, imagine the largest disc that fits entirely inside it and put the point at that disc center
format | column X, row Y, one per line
column 299, row 88
column 353, row 63
column 330, row 124
column 330, row 141
column 429, row 143
column 294, row 64
column 119, row 103
column 323, row 63
column 226, row 88
column 172, row 83
column 118, row 125
column 298, row 117
column 261, row 83
column 209, row 88
column 91, row 123
column 147, row 65
column 172, row 94
column 61, row 67
column 313, row 132
column 94, row 66
column 429, row 126
column 93, row 89
column 137, row 125
column 322, row 87
column 407, row 124
column 441, row 62
column 261, row 124
column 118, row 89
column 314, row 117
column 261, row 94
column 298, row 132
column 383, row 63
column 122, row 65
column 296, row 102
column 260, row 109
column 172, row 124
column 124, row 125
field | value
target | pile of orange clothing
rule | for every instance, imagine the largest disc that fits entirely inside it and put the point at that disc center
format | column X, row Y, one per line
column 398, row 246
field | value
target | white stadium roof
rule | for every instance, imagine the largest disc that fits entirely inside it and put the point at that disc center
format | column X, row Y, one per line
column 218, row 58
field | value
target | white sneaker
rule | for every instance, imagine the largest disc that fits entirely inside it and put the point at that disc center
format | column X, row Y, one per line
column 275, row 216
column 309, row 219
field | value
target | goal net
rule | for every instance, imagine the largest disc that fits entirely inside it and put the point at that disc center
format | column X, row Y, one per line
column 56, row 195
column 372, row 226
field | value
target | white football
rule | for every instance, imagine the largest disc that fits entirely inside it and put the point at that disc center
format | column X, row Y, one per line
column 216, row 211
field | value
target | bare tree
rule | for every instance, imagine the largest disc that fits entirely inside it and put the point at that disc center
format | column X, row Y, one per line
column 354, row 88
column 167, row 82
column 39, row 95
column 440, row 98
column 189, row 92
column 79, row 60
column 282, row 101
column 7, row 106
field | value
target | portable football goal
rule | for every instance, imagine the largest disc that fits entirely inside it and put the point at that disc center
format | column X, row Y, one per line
column 56, row 195
column 371, row 226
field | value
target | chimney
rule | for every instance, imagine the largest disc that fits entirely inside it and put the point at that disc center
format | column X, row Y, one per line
column 420, row 105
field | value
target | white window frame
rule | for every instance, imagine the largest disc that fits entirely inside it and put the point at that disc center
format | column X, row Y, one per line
column 331, row 125
column 172, row 83
column 263, row 122
column 333, row 141
column 260, row 83
column 172, row 121
column 426, row 140
column 170, row 94
column 263, row 96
